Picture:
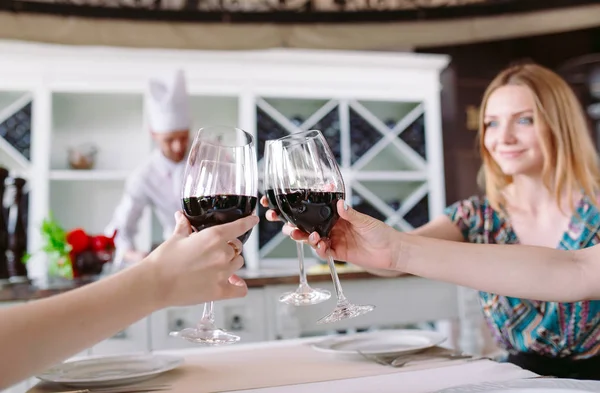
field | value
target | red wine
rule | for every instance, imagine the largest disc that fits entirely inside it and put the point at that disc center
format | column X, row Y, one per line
column 311, row 211
column 207, row 211
column 273, row 202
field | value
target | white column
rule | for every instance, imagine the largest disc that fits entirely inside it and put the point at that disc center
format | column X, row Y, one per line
column 435, row 149
column 247, row 122
column 39, row 187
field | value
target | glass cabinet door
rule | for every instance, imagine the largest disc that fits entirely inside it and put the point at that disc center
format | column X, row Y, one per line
column 379, row 145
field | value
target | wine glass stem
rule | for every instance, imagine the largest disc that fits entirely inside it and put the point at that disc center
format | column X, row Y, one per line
column 341, row 299
column 208, row 316
column 300, row 251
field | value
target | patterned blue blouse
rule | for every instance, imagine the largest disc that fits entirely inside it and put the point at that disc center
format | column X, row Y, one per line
column 519, row 325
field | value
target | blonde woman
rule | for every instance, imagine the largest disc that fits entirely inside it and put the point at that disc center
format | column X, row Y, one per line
column 541, row 181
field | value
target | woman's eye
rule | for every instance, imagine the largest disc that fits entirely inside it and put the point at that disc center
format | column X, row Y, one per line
column 527, row 120
column 491, row 123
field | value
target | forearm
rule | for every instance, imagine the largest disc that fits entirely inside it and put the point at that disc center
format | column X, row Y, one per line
column 71, row 322
column 385, row 272
column 440, row 228
column 529, row 272
column 133, row 256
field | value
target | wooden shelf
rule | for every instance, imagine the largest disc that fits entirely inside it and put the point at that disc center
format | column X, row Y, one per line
column 88, row 175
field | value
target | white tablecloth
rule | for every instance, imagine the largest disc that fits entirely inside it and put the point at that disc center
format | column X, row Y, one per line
column 242, row 363
column 420, row 381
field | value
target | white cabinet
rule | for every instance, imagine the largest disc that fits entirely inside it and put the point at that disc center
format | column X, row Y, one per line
column 246, row 317
column 112, row 122
column 398, row 301
column 388, row 148
column 379, row 111
column 134, row 338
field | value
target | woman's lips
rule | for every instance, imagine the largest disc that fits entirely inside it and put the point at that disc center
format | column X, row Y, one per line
column 510, row 154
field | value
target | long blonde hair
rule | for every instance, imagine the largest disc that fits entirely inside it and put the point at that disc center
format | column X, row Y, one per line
column 570, row 159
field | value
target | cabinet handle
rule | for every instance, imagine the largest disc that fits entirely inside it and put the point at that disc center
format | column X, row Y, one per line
column 236, row 323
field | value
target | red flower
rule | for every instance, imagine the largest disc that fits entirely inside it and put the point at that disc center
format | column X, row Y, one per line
column 78, row 240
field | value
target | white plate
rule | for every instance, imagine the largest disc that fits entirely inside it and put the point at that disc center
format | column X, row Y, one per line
column 110, row 370
column 381, row 343
column 534, row 385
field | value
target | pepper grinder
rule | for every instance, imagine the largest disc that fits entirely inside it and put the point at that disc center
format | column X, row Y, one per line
column 17, row 239
column 4, row 274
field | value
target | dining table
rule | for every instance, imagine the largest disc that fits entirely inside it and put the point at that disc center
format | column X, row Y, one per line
column 294, row 365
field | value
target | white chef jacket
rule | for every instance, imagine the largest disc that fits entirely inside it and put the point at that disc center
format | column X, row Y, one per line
column 155, row 183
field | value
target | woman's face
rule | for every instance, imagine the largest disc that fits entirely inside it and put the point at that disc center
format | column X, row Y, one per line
column 511, row 136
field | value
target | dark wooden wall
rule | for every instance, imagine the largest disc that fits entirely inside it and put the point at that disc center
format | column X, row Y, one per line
column 472, row 68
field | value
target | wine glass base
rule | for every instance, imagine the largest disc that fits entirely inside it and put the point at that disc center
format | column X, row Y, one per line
column 206, row 337
column 345, row 312
column 305, row 298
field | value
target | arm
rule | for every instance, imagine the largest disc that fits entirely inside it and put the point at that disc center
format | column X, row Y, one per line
column 126, row 219
column 439, row 228
column 189, row 268
column 528, row 272
column 359, row 238
column 44, row 332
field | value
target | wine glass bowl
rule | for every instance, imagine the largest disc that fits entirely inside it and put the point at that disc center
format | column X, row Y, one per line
column 219, row 186
column 308, row 184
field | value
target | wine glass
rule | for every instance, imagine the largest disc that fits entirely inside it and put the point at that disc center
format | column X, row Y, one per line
column 308, row 185
column 219, row 186
column 304, row 295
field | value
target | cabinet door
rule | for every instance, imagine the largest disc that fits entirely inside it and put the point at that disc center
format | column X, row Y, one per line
column 172, row 319
column 398, row 301
column 134, row 338
column 244, row 316
column 381, row 149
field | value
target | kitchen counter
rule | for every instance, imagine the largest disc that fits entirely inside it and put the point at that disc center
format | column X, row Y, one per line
column 254, row 279
column 317, row 273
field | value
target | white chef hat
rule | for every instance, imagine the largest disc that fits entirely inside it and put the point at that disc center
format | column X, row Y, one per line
column 167, row 103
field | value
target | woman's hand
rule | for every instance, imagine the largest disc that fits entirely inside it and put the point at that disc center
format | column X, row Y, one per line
column 196, row 267
column 356, row 238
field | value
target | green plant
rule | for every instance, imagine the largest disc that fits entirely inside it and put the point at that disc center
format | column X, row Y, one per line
column 74, row 253
column 56, row 248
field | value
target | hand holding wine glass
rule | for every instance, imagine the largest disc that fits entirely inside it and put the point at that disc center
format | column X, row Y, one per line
column 308, row 186
column 219, row 186
column 191, row 267
column 356, row 238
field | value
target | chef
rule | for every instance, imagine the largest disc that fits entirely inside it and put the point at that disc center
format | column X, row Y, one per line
column 157, row 181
